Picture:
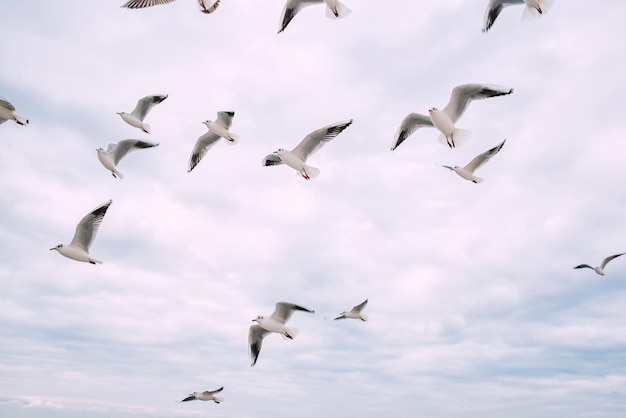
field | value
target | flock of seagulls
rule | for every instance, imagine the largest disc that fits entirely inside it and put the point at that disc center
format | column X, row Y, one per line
column 443, row 120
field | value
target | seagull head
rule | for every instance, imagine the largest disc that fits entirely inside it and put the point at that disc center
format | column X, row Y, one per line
column 450, row 168
column 258, row 318
column 57, row 247
column 121, row 113
column 434, row 109
column 279, row 150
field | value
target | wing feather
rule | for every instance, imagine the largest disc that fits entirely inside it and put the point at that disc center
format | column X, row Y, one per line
column 88, row 227
column 318, row 138
column 462, row 95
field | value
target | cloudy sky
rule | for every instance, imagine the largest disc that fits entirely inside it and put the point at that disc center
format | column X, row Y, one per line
column 475, row 309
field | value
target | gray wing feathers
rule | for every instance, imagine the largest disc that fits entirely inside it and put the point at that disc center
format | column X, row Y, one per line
column 6, row 104
column 271, row 159
column 409, row 124
column 494, row 7
column 139, row 4
column 145, row 104
column 581, row 266
column 225, row 119
column 359, row 307
column 318, row 138
column 125, row 146
column 481, row 159
column 210, row 392
column 292, row 7
column 88, row 227
column 609, row 258
column 203, row 144
column 462, row 95
column 284, row 310
column 255, row 341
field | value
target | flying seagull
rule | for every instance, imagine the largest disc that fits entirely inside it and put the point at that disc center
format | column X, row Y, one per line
column 85, row 233
column 599, row 270
column 136, row 117
column 207, row 395
column 467, row 172
column 115, row 152
column 7, row 111
column 296, row 158
column 275, row 323
column 218, row 129
column 445, row 119
column 533, row 9
column 334, row 10
column 206, row 6
column 355, row 313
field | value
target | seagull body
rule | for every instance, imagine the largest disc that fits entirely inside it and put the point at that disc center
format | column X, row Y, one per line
column 297, row 157
column 467, row 172
column 445, row 120
column 85, row 233
column 275, row 323
column 206, row 6
column 207, row 395
column 115, row 152
column 600, row 270
column 355, row 313
column 533, row 9
column 334, row 10
column 136, row 117
column 7, row 112
column 217, row 129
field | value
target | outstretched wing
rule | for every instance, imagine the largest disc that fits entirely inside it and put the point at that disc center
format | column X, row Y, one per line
column 584, row 266
column 609, row 258
column 292, row 7
column 210, row 392
column 225, row 119
column 284, row 310
column 255, row 341
column 411, row 123
column 140, row 4
column 125, row 146
column 481, row 159
column 88, row 227
column 203, row 144
column 271, row 159
column 494, row 7
column 462, row 95
column 145, row 104
column 318, row 138
column 359, row 307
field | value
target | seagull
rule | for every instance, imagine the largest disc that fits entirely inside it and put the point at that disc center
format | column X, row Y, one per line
column 533, row 9
column 334, row 10
column 275, row 323
column 599, row 270
column 467, row 172
column 207, row 395
column 445, row 119
column 355, row 313
column 115, row 152
column 217, row 130
column 296, row 158
column 136, row 117
column 85, row 233
column 7, row 111
column 206, row 6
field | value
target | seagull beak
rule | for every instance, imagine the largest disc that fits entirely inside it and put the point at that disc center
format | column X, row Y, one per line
column 53, row 248
column 448, row 167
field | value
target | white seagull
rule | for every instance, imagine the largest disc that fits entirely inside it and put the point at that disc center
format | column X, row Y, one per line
column 334, row 10
column 115, row 152
column 207, row 395
column 467, row 172
column 206, row 6
column 355, row 313
column 136, row 117
column 533, row 9
column 218, row 129
column 599, row 270
column 85, row 233
column 275, row 323
column 445, row 119
column 7, row 112
column 297, row 157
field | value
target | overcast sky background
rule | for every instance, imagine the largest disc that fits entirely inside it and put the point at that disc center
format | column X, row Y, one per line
column 475, row 310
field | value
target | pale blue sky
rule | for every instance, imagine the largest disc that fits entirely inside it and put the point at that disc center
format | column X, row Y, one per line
column 475, row 310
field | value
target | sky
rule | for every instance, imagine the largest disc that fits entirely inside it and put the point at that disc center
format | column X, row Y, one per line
column 474, row 309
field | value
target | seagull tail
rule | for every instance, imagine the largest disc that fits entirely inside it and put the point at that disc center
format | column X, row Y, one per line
column 458, row 138
column 339, row 12
column 20, row 120
column 217, row 399
column 291, row 333
column 146, row 128
column 94, row 261
column 364, row 318
column 232, row 138
column 309, row 172
column 477, row 180
column 533, row 13
column 118, row 174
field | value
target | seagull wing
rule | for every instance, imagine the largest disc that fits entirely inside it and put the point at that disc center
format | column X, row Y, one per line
column 225, row 119
column 139, row 4
column 125, row 146
column 271, row 159
column 494, row 7
column 481, row 159
column 582, row 266
column 462, row 95
column 88, row 227
column 341, row 316
column 284, row 310
column 145, row 104
column 410, row 124
column 203, row 144
column 189, row 398
column 210, row 392
column 359, row 307
column 7, row 105
column 609, row 258
column 292, row 7
column 255, row 340
column 318, row 138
